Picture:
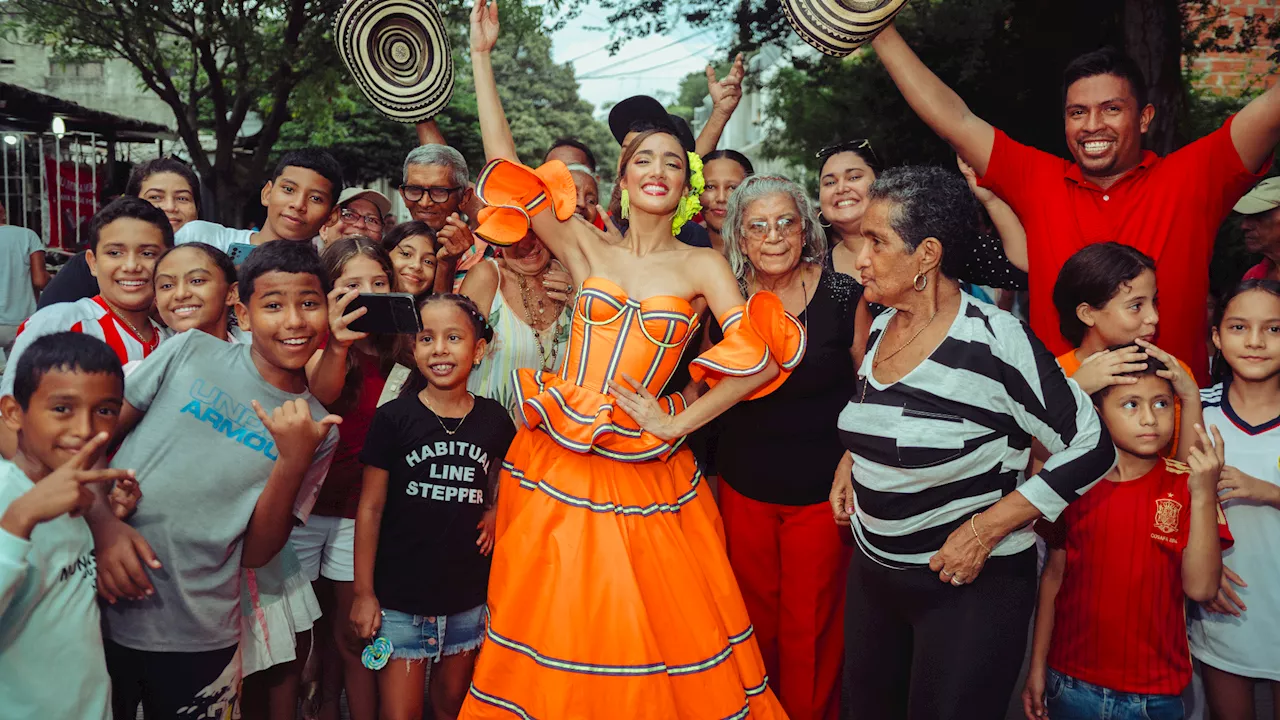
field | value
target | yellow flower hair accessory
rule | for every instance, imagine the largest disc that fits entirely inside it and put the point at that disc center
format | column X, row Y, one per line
column 690, row 204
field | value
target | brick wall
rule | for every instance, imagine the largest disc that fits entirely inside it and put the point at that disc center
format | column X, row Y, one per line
column 1231, row 73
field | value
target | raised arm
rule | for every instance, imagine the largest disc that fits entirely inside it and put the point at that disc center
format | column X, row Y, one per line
column 725, row 96
column 1013, row 237
column 937, row 105
column 429, row 133
column 1255, row 131
column 494, row 129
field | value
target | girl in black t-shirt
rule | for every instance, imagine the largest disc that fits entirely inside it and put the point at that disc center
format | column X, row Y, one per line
column 431, row 466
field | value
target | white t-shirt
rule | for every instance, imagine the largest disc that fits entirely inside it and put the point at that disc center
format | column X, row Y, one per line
column 212, row 234
column 51, row 659
column 1248, row 645
column 17, row 297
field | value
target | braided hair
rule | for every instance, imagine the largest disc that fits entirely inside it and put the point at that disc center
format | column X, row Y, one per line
column 466, row 305
column 417, row 382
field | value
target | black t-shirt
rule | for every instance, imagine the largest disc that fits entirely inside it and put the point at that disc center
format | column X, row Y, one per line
column 72, row 282
column 428, row 562
column 784, row 447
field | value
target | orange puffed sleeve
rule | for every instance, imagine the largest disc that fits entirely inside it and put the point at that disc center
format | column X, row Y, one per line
column 753, row 334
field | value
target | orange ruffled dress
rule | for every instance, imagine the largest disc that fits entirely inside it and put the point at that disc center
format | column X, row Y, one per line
column 610, row 594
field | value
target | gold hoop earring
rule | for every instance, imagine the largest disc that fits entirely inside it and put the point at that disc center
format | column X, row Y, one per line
column 921, row 282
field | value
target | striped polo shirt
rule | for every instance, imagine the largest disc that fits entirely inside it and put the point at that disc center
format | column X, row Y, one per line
column 953, row 437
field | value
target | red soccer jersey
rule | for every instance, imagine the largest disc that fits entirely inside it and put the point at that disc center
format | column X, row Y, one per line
column 1119, row 619
column 1167, row 207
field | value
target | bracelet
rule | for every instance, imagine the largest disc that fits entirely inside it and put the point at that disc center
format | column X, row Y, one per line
column 973, row 525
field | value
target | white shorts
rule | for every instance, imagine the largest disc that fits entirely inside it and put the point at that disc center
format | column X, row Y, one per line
column 326, row 546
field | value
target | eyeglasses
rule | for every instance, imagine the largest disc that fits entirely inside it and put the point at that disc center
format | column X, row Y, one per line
column 414, row 193
column 373, row 222
column 786, row 227
column 847, row 146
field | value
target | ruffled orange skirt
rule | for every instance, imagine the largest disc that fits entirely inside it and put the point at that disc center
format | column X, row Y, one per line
column 611, row 595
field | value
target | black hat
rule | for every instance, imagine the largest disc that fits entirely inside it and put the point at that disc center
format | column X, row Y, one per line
column 644, row 110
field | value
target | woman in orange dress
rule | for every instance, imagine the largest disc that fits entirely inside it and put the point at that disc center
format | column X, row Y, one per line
column 610, row 593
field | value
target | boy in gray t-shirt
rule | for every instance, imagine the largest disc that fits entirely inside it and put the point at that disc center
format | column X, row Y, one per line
column 222, row 482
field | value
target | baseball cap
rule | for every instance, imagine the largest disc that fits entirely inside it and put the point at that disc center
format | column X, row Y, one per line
column 378, row 199
column 1263, row 197
column 642, row 109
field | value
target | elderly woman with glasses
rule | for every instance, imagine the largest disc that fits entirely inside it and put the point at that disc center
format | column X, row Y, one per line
column 779, row 452
column 949, row 397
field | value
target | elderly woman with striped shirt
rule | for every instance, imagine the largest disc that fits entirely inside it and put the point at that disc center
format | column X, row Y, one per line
column 948, row 398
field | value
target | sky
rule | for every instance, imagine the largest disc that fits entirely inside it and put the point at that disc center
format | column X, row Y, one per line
column 641, row 67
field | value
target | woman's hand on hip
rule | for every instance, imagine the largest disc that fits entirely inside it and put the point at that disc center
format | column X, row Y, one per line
column 962, row 555
column 842, row 491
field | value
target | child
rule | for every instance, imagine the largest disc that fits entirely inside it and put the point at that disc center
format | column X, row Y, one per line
column 1110, row 630
column 349, row 376
column 299, row 198
column 412, row 247
column 195, row 290
column 125, row 239
column 421, row 576
column 1106, row 297
column 223, row 480
column 1236, row 637
column 68, row 390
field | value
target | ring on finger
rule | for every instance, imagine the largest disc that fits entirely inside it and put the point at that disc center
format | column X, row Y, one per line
column 957, row 580
column 947, row 574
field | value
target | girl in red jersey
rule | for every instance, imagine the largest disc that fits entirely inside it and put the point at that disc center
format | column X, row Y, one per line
column 1110, row 629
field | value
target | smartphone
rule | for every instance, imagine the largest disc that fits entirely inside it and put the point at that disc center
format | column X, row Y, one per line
column 389, row 313
column 238, row 252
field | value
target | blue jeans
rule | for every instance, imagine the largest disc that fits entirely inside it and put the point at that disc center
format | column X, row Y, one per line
column 419, row 637
column 1070, row 699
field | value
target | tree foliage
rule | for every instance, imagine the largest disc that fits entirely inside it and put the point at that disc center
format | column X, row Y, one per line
column 213, row 63
column 221, row 66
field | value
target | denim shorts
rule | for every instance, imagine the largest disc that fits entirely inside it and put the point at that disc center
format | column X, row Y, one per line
column 430, row 637
column 1067, row 698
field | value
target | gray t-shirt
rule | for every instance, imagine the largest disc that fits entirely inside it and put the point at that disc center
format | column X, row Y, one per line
column 17, row 297
column 202, row 458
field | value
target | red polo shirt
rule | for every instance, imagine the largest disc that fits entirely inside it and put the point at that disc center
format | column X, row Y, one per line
column 1167, row 207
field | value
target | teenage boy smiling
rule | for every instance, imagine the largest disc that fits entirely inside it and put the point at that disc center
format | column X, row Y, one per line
column 299, row 198
column 225, row 480
column 125, row 239
column 67, row 401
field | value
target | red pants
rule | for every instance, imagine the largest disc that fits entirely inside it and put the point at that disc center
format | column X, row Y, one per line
column 791, row 566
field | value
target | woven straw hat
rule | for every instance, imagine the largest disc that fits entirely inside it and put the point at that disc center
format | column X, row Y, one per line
column 838, row 27
column 399, row 54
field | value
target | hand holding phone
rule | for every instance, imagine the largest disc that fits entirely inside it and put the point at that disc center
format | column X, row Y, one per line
column 386, row 313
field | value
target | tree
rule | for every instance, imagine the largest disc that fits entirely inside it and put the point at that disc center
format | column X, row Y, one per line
column 540, row 97
column 1022, row 48
column 213, row 63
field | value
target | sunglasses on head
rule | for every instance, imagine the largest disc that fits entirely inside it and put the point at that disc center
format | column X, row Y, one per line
column 847, row 146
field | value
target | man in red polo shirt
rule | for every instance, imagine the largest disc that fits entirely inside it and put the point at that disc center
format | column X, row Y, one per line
column 1167, row 207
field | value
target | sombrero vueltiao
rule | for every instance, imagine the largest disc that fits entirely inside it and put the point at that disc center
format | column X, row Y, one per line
column 399, row 54
column 838, row 27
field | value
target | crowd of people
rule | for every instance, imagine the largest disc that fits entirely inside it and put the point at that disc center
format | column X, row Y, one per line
column 600, row 480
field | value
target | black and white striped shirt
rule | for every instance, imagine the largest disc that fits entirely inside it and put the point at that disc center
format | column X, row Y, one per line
column 953, row 436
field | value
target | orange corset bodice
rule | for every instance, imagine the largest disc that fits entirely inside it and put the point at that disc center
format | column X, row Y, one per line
column 613, row 336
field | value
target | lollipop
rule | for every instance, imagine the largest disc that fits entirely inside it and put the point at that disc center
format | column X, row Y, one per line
column 376, row 654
